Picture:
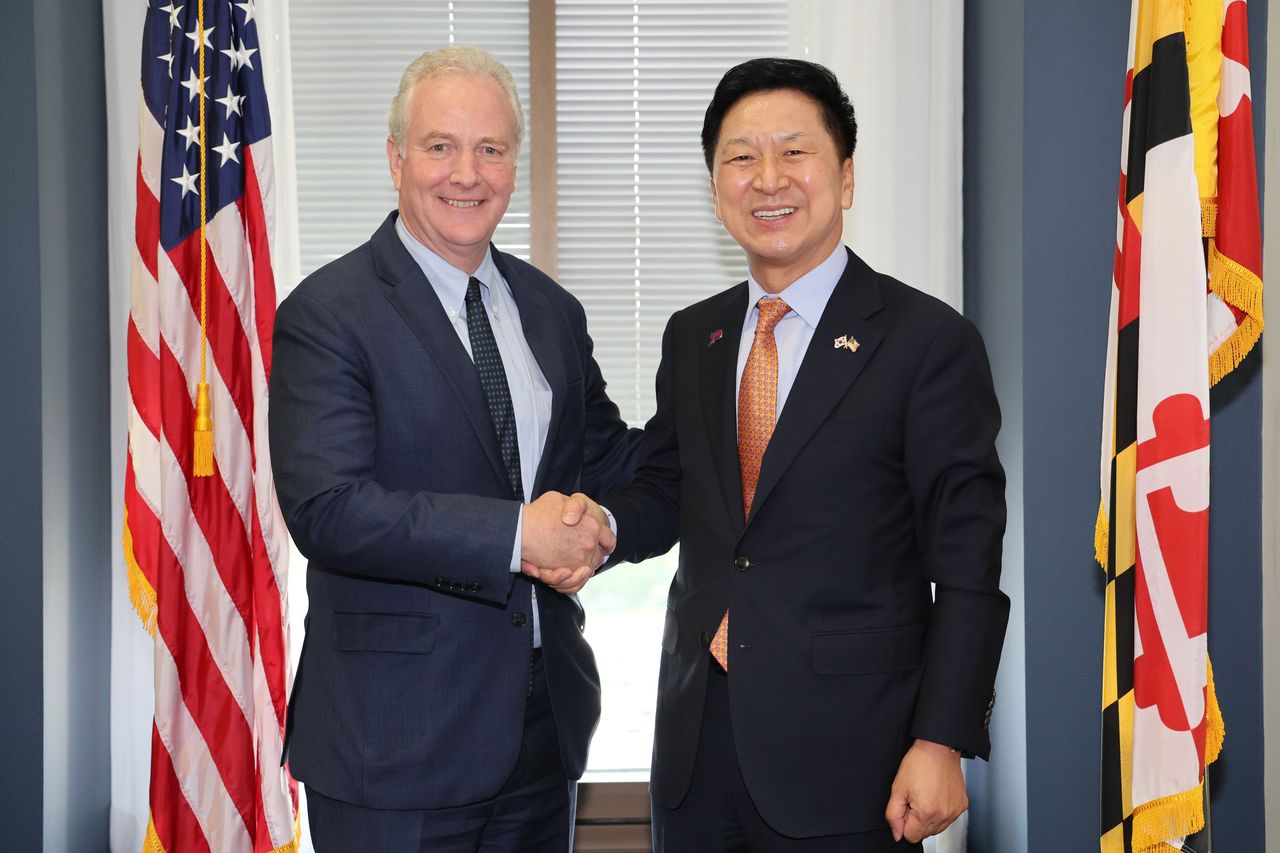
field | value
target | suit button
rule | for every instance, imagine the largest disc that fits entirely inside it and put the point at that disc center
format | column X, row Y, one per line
column 518, row 619
column 474, row 586
column 705, row 639
column 742, row 562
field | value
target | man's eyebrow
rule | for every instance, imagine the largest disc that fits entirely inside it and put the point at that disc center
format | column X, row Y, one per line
column 495, row 141
column 788, row 137
column 438, row 134
column 792, row 137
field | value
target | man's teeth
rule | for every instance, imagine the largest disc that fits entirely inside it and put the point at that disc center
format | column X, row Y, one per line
column 454, row 203
column 773, row 214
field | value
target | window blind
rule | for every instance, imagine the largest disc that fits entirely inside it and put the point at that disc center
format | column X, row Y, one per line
column 638, row 238
column 347, row 62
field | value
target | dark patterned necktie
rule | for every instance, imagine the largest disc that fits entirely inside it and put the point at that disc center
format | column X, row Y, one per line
column 493, row 379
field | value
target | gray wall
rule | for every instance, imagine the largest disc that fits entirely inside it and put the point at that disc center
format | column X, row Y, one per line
column 54, row 507
column 20, row 517
column 993, row 228
column 1039, row 237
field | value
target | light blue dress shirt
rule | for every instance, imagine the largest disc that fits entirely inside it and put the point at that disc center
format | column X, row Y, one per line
column 530, row 392
column 807, row 298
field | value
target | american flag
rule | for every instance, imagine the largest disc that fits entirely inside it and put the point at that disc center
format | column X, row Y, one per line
column 207, row 555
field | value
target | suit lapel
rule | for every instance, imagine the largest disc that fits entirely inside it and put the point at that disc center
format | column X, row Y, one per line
column 544, row 332
column 826, row 374
column 415, row 299
column 717, row 376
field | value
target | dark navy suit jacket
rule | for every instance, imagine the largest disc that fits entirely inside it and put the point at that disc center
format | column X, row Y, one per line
column 881, row 476
column 411, row 689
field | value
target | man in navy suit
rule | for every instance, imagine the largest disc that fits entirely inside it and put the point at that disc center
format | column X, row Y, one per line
column 824, row 449
column 433, row 400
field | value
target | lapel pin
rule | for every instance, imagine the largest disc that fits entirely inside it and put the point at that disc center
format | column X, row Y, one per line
column 848, row 342
column 715, row 336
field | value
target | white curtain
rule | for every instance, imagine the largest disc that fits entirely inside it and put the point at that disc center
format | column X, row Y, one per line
column 902, row 64
column 132, row 695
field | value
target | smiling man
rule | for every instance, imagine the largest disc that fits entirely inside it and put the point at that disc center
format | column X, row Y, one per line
column 824, row 449
column 432, row 401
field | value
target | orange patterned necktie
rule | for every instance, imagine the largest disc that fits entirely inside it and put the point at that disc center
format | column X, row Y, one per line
column 757, row 412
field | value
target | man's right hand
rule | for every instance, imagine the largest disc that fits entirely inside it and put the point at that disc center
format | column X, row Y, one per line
column 563, row 540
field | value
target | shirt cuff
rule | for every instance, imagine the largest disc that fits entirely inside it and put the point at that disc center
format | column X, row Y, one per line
column 515, row 549
column 613, row 524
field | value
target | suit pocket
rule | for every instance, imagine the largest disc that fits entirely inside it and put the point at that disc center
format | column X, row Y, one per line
column 868, row 652
column 406, row 633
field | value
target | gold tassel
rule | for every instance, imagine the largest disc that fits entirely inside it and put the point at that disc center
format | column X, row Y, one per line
column 203, row 463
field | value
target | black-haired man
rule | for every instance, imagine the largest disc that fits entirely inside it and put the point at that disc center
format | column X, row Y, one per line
column 824, row 448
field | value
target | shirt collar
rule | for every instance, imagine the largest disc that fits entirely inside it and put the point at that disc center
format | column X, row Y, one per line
column 449, row 282
column 807, row 295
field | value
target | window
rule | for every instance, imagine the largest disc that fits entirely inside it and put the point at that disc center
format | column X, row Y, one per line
column 638, row 240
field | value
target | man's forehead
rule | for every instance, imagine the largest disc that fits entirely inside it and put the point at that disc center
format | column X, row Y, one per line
column 439, row 100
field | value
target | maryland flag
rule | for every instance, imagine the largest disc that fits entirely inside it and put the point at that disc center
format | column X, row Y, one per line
column 1186, row 307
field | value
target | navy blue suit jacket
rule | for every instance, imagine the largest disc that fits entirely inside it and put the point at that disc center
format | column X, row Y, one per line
column 416, row 663
column 881, row 476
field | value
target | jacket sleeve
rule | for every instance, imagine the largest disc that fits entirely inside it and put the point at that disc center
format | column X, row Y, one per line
column 957, row 486
column 648, row 511
column 609, row 448
column 322, row 438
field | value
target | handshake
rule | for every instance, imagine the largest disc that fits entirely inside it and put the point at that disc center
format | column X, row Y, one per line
column 564, row 540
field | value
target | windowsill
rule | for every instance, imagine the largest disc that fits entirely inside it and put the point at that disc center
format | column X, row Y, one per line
column 607, row 777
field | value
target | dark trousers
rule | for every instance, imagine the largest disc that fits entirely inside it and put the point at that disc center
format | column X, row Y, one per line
column 533, row 813
column 718, row 815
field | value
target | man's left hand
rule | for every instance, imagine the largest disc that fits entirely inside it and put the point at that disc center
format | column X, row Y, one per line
column 576, row 508
column 563, row 580
column 928, row 793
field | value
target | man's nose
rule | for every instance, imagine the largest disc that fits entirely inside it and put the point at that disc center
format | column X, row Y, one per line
column 464, row 170
column 771, row 177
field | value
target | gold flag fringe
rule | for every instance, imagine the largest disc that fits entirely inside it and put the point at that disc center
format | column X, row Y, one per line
column 1181, row 814
column 1101, row 536
column 1215, row 728
column 1175, row 816
column 1208, row 217
column 1240, row 287
column 151, row 844
column 141, row 594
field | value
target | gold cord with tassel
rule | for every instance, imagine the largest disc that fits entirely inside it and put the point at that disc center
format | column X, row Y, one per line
column 202, row 465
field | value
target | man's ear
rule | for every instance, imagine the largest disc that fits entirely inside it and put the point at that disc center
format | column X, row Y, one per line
column 395, row 161
column 715, row 199
column 846, row 183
